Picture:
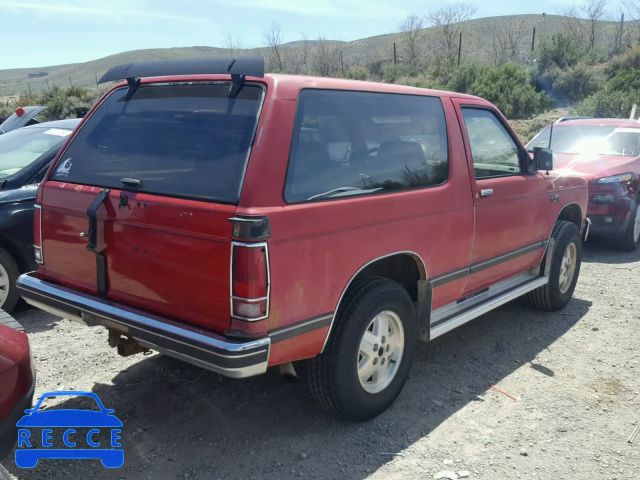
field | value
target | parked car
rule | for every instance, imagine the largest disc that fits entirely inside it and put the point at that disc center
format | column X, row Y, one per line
column 606, row 152
column 240, row 221
column 17, row 378
column 25, row 155
column 22, row 117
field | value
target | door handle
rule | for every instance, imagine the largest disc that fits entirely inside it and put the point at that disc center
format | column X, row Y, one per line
column 487, row 192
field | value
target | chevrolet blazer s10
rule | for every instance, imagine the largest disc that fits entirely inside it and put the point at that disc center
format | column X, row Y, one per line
column 241, row 221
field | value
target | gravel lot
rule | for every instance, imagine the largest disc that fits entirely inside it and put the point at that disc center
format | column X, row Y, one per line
column 575, row 374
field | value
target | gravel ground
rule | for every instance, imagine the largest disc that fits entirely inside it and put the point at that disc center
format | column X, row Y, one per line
column 575, row 375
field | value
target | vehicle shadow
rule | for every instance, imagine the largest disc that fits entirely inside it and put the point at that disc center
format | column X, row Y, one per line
column 35, row 320
column 600, row 250
column 184, row 422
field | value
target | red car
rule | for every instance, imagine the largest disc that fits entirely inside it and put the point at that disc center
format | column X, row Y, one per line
column 606, row 152
column 17, row 380
column 240, row 221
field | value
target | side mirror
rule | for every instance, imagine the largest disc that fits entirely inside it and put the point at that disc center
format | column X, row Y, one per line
column 543, row 159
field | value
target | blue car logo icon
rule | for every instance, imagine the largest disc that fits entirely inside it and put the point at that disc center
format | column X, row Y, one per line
column 82, row 432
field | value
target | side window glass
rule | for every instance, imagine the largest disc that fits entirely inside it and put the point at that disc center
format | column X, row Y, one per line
column 42, row 172
column 494, row 152
column 358, row 143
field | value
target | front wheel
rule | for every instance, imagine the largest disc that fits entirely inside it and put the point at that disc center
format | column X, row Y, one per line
column 565, row 268
column 630, row 238
column 369, row 354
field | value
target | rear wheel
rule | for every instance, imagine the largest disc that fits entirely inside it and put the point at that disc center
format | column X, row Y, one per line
column 367, row 359
column 9, row 321
column 8, row 275
column 630, row 238
column 565, row 268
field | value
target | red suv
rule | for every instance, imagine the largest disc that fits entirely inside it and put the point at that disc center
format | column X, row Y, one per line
column 240, row 221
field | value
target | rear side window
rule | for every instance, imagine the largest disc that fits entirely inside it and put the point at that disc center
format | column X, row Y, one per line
column 356, row 143
column 186, row 140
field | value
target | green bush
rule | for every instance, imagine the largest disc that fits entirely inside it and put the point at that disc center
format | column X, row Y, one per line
column 625, row 80
column 391, row 73
column 509, row 87
column 609, row 104
column 575, row 83
column 628, row 61
column 357, row 73
column 562, row 50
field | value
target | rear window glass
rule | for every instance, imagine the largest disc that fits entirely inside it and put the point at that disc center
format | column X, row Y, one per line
column 188, row 140
column 356, row 143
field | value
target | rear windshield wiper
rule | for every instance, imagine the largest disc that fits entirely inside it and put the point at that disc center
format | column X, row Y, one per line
column 131, row 182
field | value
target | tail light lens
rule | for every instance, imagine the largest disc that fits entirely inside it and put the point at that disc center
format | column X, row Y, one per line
column 249, row 281
column 37, row 234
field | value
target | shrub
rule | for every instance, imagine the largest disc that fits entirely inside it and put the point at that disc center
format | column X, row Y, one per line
column 609, row 104
column 357, row 73
column 575, row 83
column 628, row 61
column 391, row 73
column 562, row 51
column 509, row 87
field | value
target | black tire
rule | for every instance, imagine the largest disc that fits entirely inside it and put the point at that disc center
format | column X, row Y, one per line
column 9, row 321
column 626, row 241
column 9, row 265
column 332, row 375
column 550, row 297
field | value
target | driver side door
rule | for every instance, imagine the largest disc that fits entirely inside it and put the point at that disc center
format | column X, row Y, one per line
column 508, row 200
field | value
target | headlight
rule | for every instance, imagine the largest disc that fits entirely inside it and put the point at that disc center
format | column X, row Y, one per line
column 625, row 177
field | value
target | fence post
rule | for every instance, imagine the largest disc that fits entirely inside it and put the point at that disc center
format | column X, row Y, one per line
column 533, row 41
column 460, row 49
column 395, row 55
column 620, row 48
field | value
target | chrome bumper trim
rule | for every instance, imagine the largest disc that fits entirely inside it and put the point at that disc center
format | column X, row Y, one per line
column 188, row 343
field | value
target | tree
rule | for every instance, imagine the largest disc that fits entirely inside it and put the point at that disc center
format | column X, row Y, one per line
column 326, row 58
column 273, row 39
column 305, row 50
column 633, row 28
column 507, row 42
column 234, row 45
column 587, row 19
column 448, row 20
column 411, row 31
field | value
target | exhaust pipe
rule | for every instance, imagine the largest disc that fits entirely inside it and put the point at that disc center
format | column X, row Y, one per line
column 288, row 372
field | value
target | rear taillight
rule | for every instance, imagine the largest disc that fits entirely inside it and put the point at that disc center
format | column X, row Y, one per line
column 249, row 281
column 37, row 234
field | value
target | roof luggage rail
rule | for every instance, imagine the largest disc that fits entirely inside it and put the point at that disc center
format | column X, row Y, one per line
column 237, row 67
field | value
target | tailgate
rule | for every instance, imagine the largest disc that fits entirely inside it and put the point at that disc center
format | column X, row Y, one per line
column 163, row 255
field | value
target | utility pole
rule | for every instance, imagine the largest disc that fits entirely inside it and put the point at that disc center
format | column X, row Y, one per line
column 460, row 49
column 70, row 81
column 48, row 87
column 341, row 61
column 29, row 88
column 97, row 86
column 395, row 55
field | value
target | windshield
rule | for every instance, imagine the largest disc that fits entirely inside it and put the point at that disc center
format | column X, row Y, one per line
column 590, row 139
column 19, row 148
column 186, row 140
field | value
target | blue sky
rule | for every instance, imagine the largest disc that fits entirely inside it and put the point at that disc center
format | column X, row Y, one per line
column 50, row 32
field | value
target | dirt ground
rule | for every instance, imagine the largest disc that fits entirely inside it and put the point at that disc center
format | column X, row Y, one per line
column 575, row 375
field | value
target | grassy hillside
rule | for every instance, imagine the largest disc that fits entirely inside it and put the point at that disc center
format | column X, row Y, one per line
column 477, row 47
